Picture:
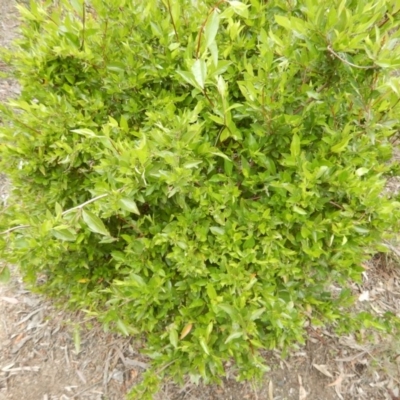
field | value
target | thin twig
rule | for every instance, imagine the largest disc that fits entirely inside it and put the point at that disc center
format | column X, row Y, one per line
column 103, row 46
column 329, row 48
column 336, row 204
column 172, row 20
column 14, row 229
column 161, row 369
column 26, row 126
column 387, row 19
column 209, row 100
column 85, row 204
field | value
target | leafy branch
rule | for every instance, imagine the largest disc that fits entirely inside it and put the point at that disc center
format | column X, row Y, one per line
column 63, row 213
column 329, row 48
column 204, row 24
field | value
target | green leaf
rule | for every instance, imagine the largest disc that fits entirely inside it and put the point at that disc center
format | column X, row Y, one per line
column 227, row 308
column 216, row 230
column 66, row 234
column 173, row 337
column 188, row 77
column 85, row 132
column 211, row 28
column 283, row 21
column 212, row 294
column 221, row 86
column 361, row 171
column 58, row 209
column 122, row 327
column 219, row 154
column 77, row 5
column 123, row 123
column 256, row 314
column 199, row 71
column 240, row 8
column 233, row 336
column 299, row 210
column 138, row 279
column 341, row 145
column 192, row 164
column 94, row 223
column 129, row 205
column 214, row 53
column 4, row 274
column 116, row 66
column 295, row 146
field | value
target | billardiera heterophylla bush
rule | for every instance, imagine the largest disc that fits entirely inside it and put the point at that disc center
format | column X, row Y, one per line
column 202, row 172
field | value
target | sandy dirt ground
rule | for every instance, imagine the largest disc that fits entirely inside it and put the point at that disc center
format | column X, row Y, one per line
column 47, row 353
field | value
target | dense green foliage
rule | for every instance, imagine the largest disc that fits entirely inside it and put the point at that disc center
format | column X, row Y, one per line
column 201, row 172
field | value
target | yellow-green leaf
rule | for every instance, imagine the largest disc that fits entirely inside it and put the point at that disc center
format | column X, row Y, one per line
column 299, row 210
column 173, row 337
column 295, row 146
column 232, row 336
column 4, row 274
column 199, row 71
column 240, row 8
column 203, row 344
column 211, row 29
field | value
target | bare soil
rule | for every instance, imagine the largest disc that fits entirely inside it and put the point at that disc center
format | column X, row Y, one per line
column 47, row 353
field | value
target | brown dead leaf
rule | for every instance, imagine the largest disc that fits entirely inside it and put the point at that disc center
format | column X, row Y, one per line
column 337, row 382
column 19, row 338
column 134, row 373
column 323, row 369
column 186, row 330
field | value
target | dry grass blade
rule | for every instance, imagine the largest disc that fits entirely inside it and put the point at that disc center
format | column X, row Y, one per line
column 19, row 369
column 323, row 369
column 271, row 390
column 134, row 363
column 351, row 358
column 10, row 300
column 26, row 318
column 302, row 392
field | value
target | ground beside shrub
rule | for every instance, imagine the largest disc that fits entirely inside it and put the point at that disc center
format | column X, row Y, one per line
column 199, row 172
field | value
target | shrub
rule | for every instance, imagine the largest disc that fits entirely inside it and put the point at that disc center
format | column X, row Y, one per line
column 202, row 172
